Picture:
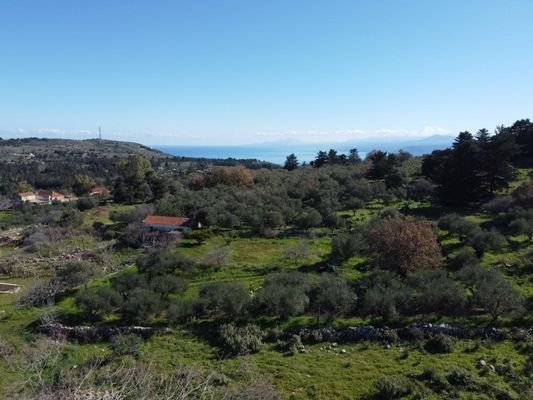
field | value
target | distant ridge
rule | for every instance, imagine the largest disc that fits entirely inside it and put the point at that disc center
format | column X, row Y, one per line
column 27, row 149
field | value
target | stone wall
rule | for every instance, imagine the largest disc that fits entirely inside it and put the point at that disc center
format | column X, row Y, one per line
column 415, row 331
column 91, row 334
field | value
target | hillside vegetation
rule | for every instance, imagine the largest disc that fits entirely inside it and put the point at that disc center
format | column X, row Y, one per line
column 384, row 278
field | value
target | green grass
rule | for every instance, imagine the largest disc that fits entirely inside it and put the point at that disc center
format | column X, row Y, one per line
column 318, row 373
column 252, row 259
column 101, row 214
column 324, row 373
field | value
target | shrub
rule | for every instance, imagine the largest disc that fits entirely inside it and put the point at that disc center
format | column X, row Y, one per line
column 332, row 296
column 447, row 221
column 393, row 387
column 185, row 309
column 346, row 245
column 499, row 204
column 390, row 212
column 131, row 236
column 464, row 257
column 127, row 282
column 140, row 304
column 308, row 219
column 164, row 285
column 389, row 336
column 99, row 302
column 434, row 291
column 523, row 194
column 86, row 203
column 283, row 295
column 77, row 273
column 436, row 381
column 230, row 298
column 420, row 189
column 440, row 343
column 491, row 291
column 522, row 226
column 294, row 345
column 460, row 378
column 71, row 217
column 482, row 240
column 496, row 295
column 385, row 295
column 240, row 340
column 123, row 345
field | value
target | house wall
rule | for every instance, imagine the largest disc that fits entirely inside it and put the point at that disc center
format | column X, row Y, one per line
column 166, row 228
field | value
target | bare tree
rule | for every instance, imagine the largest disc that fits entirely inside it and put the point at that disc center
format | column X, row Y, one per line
column 298, row 251
column 217, row 256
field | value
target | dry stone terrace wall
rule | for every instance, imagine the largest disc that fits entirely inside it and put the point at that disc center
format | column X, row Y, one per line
column 354, row 334
column 415, row 331
column 91, row 334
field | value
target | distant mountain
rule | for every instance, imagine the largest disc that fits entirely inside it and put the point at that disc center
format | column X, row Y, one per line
column 415, row 146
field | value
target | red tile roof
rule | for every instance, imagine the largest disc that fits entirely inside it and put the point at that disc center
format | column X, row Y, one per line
column 162, row 220
column 98, row 190
column 50, row 193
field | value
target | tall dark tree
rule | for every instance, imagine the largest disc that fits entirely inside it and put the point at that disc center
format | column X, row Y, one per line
column 131, row 185
column 353, row 156
column 474, row 168
column 321, row 159
column 382, row 164
column 522, row 130
column 291, row 163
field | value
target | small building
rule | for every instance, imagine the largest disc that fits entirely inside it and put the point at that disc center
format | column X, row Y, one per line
column 166, row 224
column 25, row 196
column 50, row 195
column 43, row 197
column 98, row 191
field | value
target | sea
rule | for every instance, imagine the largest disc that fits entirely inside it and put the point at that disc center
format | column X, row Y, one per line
column 272, row 154
column 305, row 152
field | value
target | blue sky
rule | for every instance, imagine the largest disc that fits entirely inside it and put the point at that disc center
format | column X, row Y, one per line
column 225, row 72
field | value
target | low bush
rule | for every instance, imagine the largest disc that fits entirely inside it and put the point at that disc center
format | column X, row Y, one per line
column 6, row 349
column 294, row 345
column 440, row 344
column 123, row 345
column 460, row 378
column 185, row 309
column 240, row 340
column 434, row 380
column 393, row 387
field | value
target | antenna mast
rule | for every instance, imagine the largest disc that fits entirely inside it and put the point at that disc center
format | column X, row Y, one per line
column 99, row 133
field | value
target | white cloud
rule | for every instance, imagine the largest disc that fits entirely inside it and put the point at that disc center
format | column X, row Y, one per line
column 51, row 131
column 434, row 130
column 355, row 133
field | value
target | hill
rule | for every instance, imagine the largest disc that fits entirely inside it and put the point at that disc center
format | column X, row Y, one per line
column 31, row 149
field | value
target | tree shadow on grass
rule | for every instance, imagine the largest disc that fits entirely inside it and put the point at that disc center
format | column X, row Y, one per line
column 189, row 244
